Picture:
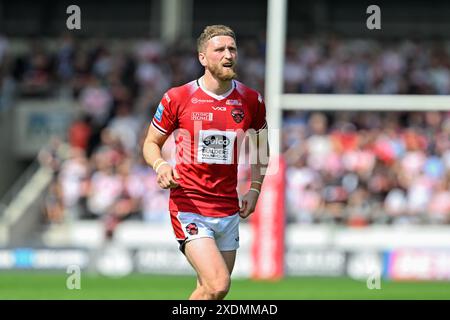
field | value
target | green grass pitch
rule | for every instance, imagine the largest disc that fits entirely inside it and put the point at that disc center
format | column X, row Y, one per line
column 44, row 285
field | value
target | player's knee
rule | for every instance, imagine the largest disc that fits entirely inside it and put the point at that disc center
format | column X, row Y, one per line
column 219, row 288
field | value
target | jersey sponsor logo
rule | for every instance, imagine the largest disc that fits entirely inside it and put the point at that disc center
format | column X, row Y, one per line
column 216, row 141
column 196, row 100
column 233, row 102
column 237, row 114
column 215, row 146
column 202, row 116
column 219, row 108
column 192, row 229
column 159, row 112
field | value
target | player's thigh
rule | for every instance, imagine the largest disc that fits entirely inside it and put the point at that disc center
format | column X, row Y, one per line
column 207, row 260
column 230, row 258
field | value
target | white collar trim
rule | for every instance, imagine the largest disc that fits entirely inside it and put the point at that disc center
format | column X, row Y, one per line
column 216, row 96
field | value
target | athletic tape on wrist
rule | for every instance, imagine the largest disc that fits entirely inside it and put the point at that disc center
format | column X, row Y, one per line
column 159, row 165
column 156, row 161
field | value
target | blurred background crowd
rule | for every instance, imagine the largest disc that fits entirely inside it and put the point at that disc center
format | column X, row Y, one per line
column 100, row 72
column 360, row 168
column 354, row 168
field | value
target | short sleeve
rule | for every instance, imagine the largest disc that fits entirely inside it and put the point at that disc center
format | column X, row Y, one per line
column 164, row 119
column 259, row 122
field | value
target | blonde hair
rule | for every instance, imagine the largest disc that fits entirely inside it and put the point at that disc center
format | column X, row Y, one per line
column 211, row 32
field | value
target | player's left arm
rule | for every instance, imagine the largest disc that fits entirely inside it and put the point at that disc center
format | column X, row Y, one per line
column 259, row 154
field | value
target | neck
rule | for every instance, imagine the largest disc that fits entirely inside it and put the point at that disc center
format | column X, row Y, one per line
column 215, row 85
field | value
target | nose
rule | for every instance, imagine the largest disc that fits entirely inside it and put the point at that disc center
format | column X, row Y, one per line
column 228, row 54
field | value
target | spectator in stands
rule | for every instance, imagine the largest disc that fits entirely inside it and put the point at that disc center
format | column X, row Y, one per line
column 125, row 125
column 53, row 202
column 96, row 101
column 439, row 204
column 65, row 58
column 37, row 74
column 127, row 201
column 80, row 132
column 73, row 179
column 105, row 185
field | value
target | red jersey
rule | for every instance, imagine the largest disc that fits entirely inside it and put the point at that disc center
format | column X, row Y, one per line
column 208, row 131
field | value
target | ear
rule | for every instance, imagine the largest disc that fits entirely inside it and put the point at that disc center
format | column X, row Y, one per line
column 202, row 58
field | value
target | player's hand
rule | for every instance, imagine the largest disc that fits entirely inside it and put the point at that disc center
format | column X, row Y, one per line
column 167, row 177
column 248, row 204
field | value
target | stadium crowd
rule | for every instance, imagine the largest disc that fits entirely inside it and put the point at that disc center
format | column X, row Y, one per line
column 319, row 64
column 351, row 168
column 368, row 167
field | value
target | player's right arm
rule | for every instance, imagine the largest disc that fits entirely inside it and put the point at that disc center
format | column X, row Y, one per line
column 153, row 144
column 162, row 125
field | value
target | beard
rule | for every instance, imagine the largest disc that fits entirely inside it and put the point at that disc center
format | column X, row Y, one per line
column 222, row 73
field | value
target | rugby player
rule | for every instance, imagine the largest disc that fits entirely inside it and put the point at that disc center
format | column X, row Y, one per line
column 209, row 117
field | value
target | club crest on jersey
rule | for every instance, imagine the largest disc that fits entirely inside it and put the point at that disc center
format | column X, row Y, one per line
column 159, row 112
column 192, row 229
column 237, row 114
column 233, row 102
